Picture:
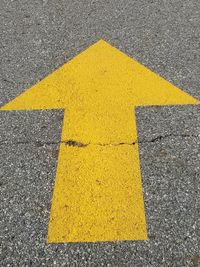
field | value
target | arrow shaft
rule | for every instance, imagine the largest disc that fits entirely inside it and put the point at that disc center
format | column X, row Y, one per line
column 97, row 194
column 100, row 124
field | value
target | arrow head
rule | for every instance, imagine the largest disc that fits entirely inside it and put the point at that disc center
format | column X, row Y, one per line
column 100, row 74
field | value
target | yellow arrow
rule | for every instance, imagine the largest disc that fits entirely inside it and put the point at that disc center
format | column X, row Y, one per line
column 98, row 192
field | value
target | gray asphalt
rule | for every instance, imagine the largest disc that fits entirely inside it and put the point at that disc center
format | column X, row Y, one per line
column 36, row 37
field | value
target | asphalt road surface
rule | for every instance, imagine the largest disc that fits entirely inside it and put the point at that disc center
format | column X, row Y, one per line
column 36, row 37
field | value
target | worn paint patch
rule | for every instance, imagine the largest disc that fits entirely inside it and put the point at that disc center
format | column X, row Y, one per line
column 98, row 193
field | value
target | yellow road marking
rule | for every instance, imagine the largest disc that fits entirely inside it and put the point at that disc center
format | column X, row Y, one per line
column 100, row 197
column 98, row 193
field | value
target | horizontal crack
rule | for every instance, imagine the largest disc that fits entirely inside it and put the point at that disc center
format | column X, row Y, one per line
column 36, row 143
column 74, row 143
column 78, row 144
column 160, row 137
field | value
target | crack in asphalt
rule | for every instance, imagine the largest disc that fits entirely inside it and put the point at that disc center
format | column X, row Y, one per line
column 73, row 143
column 161, row 137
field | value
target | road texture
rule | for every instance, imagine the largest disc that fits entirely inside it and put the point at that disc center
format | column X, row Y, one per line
column 39, row 36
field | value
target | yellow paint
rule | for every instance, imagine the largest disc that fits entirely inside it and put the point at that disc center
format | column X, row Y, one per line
column 98, row 194
column 100, row 197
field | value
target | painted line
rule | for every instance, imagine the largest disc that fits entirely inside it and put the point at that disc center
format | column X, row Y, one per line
column 98, row 189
